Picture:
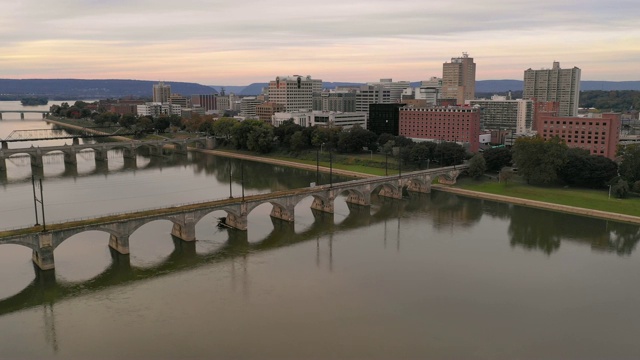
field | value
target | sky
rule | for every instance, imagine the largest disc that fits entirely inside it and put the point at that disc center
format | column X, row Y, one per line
column 228, row 42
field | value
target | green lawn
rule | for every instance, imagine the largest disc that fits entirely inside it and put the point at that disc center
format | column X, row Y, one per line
column 583, row 198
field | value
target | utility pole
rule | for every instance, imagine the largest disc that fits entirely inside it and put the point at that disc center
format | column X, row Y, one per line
column 35, row 199
column 318, row 167
column 230, row 191
column 330, row 168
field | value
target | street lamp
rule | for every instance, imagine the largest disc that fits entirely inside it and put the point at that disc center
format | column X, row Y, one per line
column 318, row 167
column 230, row 191
column 609, row 191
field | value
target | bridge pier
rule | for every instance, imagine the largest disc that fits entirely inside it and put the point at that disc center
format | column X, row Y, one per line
column 5, row 145
column 36, row 159
column 181, row 148
column 22, row 116
column 70, row 156
column 3, row 163
column 238, row 222
column 43, row 255
column 185, row 231
column 423, row 186
column 210, row 145
column 119, row 243
column 100, row 154
column 283, row 213
column 321, row 205
column 129, row 153
column 393, row 193
column 359, row 199
column 0, row 116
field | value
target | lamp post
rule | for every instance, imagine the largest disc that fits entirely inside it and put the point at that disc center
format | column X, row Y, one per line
column 609, row 191
column 242, row 177
column 386, row 163
column 230, row 190
column 399, row 162
column 330, row 168
column 318, row 167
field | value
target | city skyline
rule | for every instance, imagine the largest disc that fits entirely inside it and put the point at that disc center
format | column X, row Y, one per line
column 358, row 41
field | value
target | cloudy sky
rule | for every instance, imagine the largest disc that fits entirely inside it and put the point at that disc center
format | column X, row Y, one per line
column 239, row 42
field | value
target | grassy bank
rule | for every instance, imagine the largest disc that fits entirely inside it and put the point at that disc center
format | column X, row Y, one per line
column 583, row 198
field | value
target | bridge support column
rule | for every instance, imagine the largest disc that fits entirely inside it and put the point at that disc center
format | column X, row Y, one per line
column 5, row 145
column 3, row 163
column 70, row 156
column 238, row 222
column 119, row 243
column 100, row 154
column 286, row 214
column 181, row 148
column 284, row 227
column 391, row 192
column 76, row 141
column 185, row 231
column 449, row 178
column 356, row 199
column 0, row 116
column 36, row 160
column 43, row 255
column 129, row 153
column 22, row 115
column 210, row 142
column 417, row 187
column 324, row 206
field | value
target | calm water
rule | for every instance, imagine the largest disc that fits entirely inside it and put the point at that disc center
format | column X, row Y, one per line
column 432, row 276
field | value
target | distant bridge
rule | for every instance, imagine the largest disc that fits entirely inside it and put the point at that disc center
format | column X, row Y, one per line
column 44, row 113
column 185, row 217
column 129, row 149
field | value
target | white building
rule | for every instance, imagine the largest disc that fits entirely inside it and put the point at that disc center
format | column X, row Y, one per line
column 345, row 120
column 371, row 94
column 502, row 114
column 248, row 107
column 294, row 92
column 395, row 88
column 155, row 109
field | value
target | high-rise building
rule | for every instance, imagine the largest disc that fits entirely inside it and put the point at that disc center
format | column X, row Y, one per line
column 177, row 99
column 555, row 84
column 294, row 92
column 396, row 87
column 161, row 93
column 248, row 106
column 372, row 94
column 459, row 79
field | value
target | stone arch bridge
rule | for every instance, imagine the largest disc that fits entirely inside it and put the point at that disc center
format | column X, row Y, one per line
column 129, row 149
column 185, row 217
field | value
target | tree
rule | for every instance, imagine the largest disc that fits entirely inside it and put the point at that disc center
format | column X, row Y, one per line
column 449, row 153
column 583, row 169
column 620, row 189
column 421, row 152
column 223, row 127
column 477, row 166
column 127, row 120
column 298, row 141
column 357, row 138
column 285, row 131
column 260, row 138
column 538, row 161
column 162, row 123
column 385, row 138
column 497, row 158
column 630, row 165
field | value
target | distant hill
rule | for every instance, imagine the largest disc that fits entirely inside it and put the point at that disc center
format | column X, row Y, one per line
column 64, row 89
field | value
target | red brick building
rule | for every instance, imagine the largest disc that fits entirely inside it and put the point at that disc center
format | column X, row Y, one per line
column 460, row 124
column 599, row 135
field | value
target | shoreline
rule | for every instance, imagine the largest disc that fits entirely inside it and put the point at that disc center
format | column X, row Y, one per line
column 469, row 193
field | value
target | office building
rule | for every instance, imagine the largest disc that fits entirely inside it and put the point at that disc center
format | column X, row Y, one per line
column 294, row 92
column 266, row 110
column 384, row 118
column 459, row 79
column 502, row 114
column 342, row 101
column 161, row 93
column 395, row 88
column 555, row 84
column 453, row 123
column 208, row 102
column 371, row 94
column 599, row 134
column 248, row 107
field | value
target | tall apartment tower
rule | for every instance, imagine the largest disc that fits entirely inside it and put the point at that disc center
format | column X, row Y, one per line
column 294, row 92
column 161, row 92
column 459, row 79
column 555, row 84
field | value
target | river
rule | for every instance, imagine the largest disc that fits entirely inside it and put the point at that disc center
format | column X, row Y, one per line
column 431, row 276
